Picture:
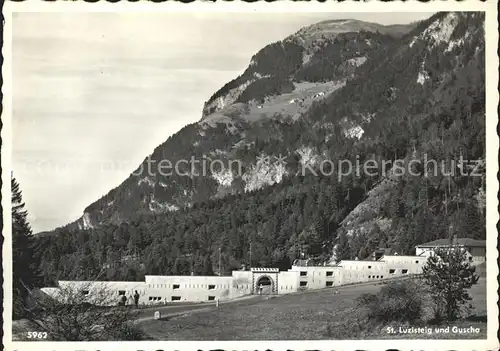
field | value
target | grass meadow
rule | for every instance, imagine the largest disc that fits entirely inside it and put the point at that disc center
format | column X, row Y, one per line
column 314, row 315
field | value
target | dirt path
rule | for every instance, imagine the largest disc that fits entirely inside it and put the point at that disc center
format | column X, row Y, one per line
column 171, row 311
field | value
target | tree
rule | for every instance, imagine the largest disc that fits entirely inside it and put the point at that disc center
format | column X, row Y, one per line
column 474, row 226
column 363, row 253
column 25, row 270
column 357, row 243
column 343, row 249
column 449, row 275
column 207, row 266
column 306, row 243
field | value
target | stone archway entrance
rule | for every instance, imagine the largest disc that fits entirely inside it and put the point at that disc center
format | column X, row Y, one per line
column 265, row 285
column 265, row 278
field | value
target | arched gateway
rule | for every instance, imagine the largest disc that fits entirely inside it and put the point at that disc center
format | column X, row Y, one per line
column 265, row 280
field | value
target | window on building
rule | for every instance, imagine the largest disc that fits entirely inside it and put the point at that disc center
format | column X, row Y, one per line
column 329, row 283
column 329, row 274
column 121, row 292
column 416, row 261
column 369, row 267
column 211, row 298
column 381, row 276
column 151, row 298
column 303, row 283
column 404, row 271
column 176, row 298
column 211, row 287
column 303, row 274
column 176, row 286
column 85, row 292
column 369, row 276
column 391, row 271
column 377, row 276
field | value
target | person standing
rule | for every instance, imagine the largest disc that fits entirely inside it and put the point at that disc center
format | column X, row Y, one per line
column 136, row 299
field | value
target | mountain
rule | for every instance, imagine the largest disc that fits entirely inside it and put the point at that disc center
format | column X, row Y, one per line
column 281, row 82
column 317, row 53
column 335, row 91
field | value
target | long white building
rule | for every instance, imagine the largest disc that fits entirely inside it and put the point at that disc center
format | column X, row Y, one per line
column 174, row 289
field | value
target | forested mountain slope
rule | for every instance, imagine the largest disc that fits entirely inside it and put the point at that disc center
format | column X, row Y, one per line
column 352, row 92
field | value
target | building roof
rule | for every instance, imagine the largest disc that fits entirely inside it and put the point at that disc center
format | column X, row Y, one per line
column 402, row 256
column 359, row 261
column 459, row 241
column 308, row 262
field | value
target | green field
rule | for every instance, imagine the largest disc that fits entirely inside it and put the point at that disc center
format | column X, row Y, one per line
column 310, row 315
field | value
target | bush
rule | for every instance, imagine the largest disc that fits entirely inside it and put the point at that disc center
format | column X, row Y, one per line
column 71, row 315
column 397, row 301
column 352, row 327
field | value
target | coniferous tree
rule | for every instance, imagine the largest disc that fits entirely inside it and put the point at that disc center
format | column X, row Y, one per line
column 343, row 250
column 25, row 270
column 475, row 226
column 450, row 275
column 207, row 266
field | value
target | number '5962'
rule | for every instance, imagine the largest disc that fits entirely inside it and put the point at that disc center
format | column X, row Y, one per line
column 37, row 335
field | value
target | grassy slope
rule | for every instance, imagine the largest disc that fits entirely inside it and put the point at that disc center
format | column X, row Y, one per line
column 310, row 315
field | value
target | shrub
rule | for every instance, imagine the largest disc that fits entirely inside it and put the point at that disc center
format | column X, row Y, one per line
column 352, row 327
column 397, row 301
column 71, row 315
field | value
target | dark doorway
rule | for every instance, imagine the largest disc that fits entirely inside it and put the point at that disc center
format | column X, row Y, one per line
column 264, row 286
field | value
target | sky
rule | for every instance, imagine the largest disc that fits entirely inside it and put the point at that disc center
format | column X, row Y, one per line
column 94, row 88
